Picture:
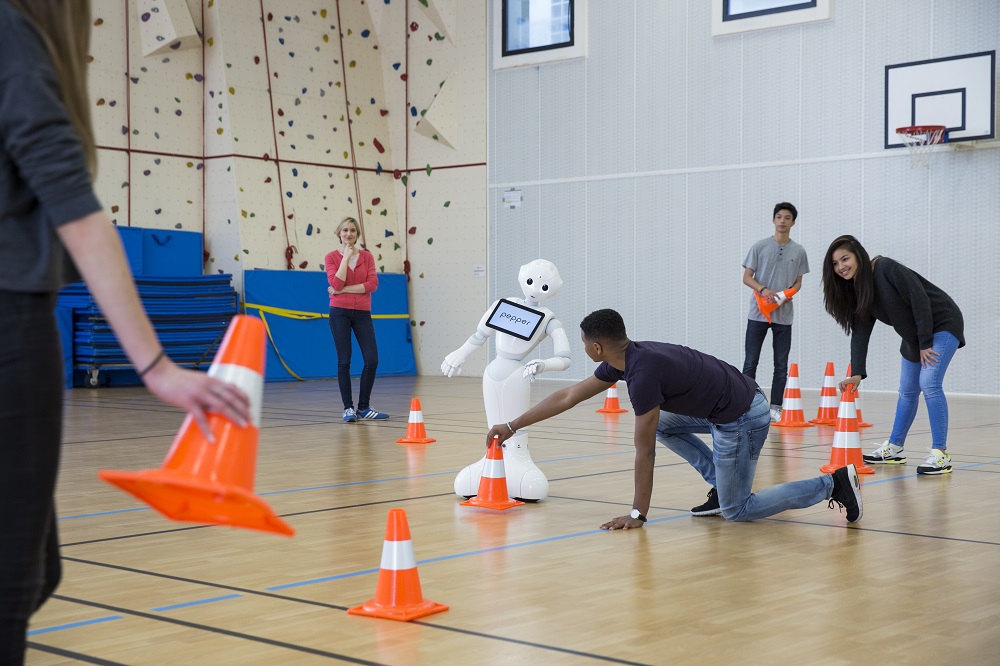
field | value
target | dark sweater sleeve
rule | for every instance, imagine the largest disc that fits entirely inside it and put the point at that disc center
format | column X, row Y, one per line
column 861, row 334
column 40, row 141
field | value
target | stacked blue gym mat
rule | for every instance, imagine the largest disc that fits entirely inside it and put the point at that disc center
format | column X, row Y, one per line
column 189, row 312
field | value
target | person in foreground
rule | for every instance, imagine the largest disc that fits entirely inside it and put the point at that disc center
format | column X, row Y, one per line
column 676, row 392
column 857, row 291
column 48, row 208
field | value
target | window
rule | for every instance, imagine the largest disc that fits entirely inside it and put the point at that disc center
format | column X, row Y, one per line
column 733, row 16
column 531, row 32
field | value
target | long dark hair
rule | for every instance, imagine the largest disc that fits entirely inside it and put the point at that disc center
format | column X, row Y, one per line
column 847, row 300
column 64, row 26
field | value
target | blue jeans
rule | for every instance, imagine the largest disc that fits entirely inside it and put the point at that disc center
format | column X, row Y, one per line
column 342, row 322
column 914, row 380
column 781, row 342
column 732, row 461
column 31, row 393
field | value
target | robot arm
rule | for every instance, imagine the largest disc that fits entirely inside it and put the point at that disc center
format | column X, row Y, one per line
column 560, row 344
column 453, row 362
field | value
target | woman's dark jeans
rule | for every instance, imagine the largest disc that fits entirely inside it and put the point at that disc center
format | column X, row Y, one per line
column 342, row 322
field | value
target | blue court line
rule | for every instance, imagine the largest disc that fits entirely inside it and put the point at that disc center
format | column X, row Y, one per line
column 187, row 604
column 340, row 485
column 74, row 625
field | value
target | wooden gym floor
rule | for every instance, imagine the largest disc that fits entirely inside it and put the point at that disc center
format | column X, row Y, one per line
column 915, row 582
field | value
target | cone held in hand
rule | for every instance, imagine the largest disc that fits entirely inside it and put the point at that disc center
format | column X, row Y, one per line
column 767, row 307
column 857, row 401
column 493, row 483
column 415, row 431
column 207, row 482
column 846, row 441
column 792, row 415
column 611, row 405
column 397, row 594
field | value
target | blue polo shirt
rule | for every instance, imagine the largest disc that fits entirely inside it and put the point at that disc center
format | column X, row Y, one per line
column 681, row 380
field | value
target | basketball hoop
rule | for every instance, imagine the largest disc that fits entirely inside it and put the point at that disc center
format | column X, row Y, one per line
column 919, row 139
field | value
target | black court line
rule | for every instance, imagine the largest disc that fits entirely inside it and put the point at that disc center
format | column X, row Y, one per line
column 859, row 528
column 272, row 595
column 216, row 630
column 75, row 656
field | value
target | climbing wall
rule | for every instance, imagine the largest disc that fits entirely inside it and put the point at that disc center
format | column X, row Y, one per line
column 263, row 124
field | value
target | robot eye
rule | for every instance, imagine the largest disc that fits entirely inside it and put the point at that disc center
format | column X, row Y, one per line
column 530, row 282
column 545, row 287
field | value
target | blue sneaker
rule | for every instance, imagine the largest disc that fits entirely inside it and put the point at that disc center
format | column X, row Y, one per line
column 372, row 415
column 349, row 415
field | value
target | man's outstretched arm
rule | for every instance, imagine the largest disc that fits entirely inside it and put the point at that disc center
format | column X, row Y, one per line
column 557, row 403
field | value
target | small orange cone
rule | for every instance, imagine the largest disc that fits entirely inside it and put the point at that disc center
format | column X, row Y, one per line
column 791, row 404
column 415, row 432
column 767, row 308
column 857, row 401
column 397, row 594
column 493, row 483
column 611, row 405
column 207, row 482
column 846, row 441
column 828, row 404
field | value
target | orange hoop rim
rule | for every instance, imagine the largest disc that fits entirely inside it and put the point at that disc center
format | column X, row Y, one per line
column 920, row 129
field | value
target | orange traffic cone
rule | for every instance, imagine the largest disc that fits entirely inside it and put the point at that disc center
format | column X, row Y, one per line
column 207, row 482
column 611, row 405
column 415, row 432
column 767, row 308
column 397, row 594
column 493, row 483
column 828, row 405
column 846, row 441
column 857, row 401
column 791, row 404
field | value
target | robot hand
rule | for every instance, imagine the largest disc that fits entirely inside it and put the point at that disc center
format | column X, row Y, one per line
column 533, row 368
column 453, row 364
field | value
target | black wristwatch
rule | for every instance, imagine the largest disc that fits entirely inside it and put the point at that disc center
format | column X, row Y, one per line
column 637, row 516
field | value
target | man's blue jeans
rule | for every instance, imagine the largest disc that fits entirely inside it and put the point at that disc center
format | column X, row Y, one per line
column 915, row 379
column 732, row 461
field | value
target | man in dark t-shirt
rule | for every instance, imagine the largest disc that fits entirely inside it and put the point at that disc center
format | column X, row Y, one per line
column 676, row 392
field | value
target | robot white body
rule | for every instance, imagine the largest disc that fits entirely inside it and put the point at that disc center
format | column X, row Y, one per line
column 507, row 382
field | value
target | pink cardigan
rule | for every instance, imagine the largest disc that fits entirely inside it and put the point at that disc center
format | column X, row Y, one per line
column 363, row 273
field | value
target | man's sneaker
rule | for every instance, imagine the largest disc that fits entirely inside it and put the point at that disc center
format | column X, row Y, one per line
column 887, row 454
column 350, row 416
column 847, row 492
column 709, row 508
column 938, row 462
column 372, row 415
column 775, row 414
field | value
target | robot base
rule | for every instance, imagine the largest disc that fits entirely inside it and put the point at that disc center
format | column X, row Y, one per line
column 525, row 481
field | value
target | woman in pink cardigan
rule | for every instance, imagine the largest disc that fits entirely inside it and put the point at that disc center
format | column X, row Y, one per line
column 352, row 276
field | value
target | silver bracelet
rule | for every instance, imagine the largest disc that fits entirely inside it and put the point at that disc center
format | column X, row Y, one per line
column 512, row 431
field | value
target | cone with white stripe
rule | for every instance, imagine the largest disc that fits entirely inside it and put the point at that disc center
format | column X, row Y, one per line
column 397, row 594
column 493, row 483
column 828, row 403
column 415, row 431
column 846, row 441
column 611, row 405
column 792, row 415
column 857, row 401
column 212, row 482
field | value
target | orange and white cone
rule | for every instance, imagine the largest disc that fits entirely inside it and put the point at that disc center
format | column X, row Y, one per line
column 828, row 403
column 792, row 415
column 611, row 405
column 857, row 401
column 846, row 441
column 415, row 432
column 493, row 483
column 212, row 482
column 397, row 594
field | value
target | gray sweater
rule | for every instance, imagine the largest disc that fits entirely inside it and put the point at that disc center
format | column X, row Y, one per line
column 44, row 181
column 914, row 307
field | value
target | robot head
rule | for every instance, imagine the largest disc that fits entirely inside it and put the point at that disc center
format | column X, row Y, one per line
column 539, row 280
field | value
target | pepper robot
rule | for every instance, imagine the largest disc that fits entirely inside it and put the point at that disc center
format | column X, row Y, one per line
column 507, row 379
